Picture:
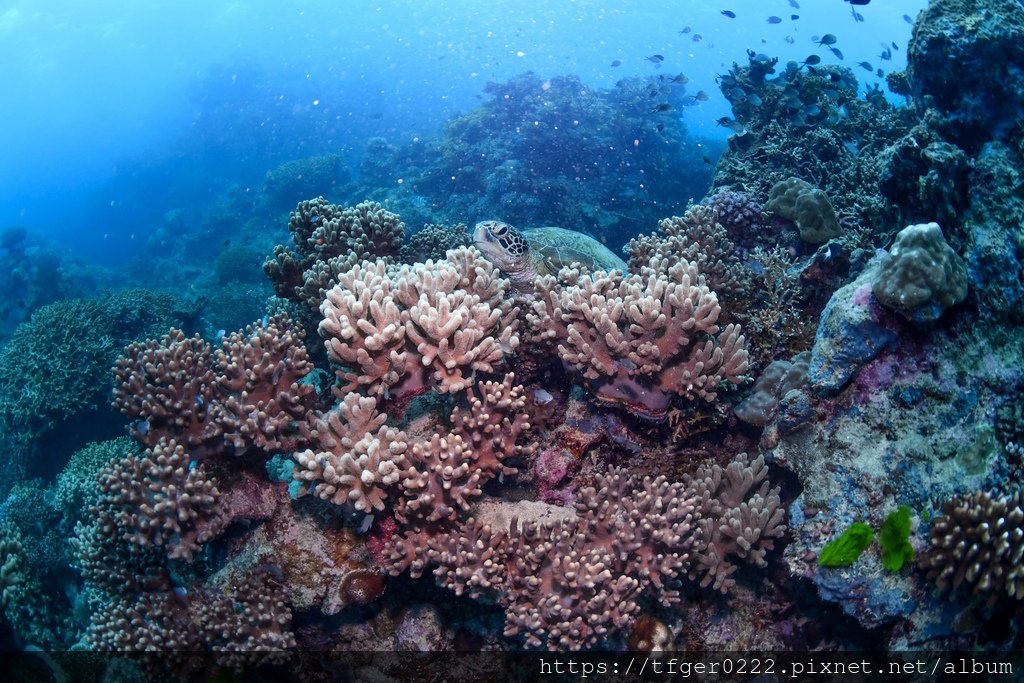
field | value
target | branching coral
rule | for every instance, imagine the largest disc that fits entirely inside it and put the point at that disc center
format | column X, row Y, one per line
column 159, row 500
column 578, row 581
column 430, row 325
column 978, row 544
column 356, row 457
column 11, row 564
column 328, row 240
column 640, row 339
column 245, row 396
column 697, row 237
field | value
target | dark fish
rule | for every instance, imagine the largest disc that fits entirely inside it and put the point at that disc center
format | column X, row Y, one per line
column 660, row 127
column 857, row 16
column 886, row 55
column 706, row 159
column 858, row 2
column 812, row 59
column 906, row 18
column 681, row 79
column 880, row 73
column 731, row 15
column 866, row 66
column 794, row 17
column 616, row 63
column 895, row 46
column 701, row 96
column 754, row 99
column 827, row 39
column 697, row 37
column 731, row 124
column 836, row 52
column 774, row 20
column 794, row 4
column 685, row 30
column 790, row 40
column 657, row 59
column 661, row 108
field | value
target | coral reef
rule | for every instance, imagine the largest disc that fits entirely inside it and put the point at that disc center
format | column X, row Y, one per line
column 640, row 340
column 431, row 325
column 432, row 242
column 245, row 396
column 327, row 240
column 807, row 207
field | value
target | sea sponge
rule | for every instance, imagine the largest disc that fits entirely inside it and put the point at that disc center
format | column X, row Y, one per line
column 808, row 207
column 921, row 276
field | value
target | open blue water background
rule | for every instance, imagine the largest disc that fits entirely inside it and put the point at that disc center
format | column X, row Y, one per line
column 110, row 104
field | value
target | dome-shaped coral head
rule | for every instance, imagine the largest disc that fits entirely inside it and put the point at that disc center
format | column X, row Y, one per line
column 502, row 244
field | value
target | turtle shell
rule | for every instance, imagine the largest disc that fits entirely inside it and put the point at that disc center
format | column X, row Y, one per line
column 553, row 248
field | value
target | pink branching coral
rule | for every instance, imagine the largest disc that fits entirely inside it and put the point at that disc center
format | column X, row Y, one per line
column 578, row 582
column 244, row 396
column 431, row 325
column 740, row 519
column 328, row 240
column 157, row 500
column 639, row 340
column 356, row 458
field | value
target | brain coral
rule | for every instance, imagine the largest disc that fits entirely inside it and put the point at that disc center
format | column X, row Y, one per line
column 922, row 276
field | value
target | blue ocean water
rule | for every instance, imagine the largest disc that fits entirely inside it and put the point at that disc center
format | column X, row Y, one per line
column 113, row 112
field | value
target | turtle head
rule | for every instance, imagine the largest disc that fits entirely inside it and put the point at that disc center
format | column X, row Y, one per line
column 502, row 244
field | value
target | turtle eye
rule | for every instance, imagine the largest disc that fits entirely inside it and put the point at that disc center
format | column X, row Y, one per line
column 498, row 229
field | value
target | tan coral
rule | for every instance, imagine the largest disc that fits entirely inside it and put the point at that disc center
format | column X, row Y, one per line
column 640, row 339
column 356, row 458
column 430, row 325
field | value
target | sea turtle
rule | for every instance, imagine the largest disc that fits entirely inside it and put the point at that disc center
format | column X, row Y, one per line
column 523, row 255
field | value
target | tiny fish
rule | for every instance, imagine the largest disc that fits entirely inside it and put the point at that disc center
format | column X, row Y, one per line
column 774, row 20
column 836, row 52
column 794, row 17
column 895, row 46
column 697, row 37
column 858, row 2
column 731, row 124
column 661, row 108
column 827, row 39
column 542, row 397
column 794, row 4
column 685, row 30
column 886, row 54
column 790, row 40
column 857, row 16
column 657, row 59
column 812, row 59
column 617, row 62
column 731, row 15
column 880, row 73
column 906, row 18
column 706, row 159
column 680, row 79
column 866, row 66
column 660, row 127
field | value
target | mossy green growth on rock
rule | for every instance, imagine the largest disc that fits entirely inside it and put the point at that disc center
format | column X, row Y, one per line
column 894, row 537
column 844, row 551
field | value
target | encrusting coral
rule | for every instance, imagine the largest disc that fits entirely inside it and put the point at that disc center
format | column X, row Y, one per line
column 640, row 340
column 430, row 325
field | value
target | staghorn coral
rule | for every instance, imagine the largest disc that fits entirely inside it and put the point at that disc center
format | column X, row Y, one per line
column 978, row 544
column 245, row 396
column 430, row 325
column 356, row 456
column 328, row 240
column 158, row 500
column 640, row 339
